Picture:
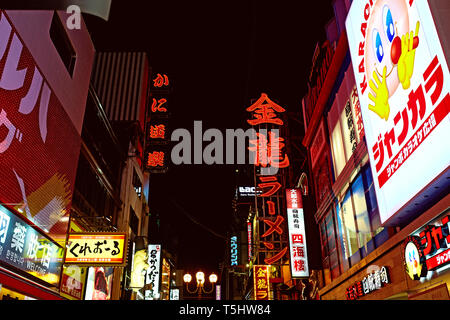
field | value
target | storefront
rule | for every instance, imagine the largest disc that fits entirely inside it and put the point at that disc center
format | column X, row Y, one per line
column 30, row 262
column 412, row 264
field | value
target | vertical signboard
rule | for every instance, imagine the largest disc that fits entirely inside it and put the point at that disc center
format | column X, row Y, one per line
column 153, row 271
column 403, row 85
column 157, row 132
column 261, row 283
column 269, row 158
column 297, row 236
column 249, row 241
column 218, row 292
column 234, row 254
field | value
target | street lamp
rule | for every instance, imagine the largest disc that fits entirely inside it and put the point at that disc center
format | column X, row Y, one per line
column 200, row 277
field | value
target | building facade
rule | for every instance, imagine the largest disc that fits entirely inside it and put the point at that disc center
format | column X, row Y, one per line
column 45, row 81
column 372, row 246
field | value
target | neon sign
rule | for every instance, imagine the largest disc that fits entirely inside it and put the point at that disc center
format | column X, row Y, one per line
column 234, row 251
column 428, row 249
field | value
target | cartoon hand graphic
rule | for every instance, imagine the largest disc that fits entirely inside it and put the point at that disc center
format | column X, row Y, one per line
column 406, row 60
column 381, row 107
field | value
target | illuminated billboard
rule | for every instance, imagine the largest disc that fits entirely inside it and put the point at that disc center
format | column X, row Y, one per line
column 39, row 145
column 99, row 283
column 297, row 236
column 261, row 282
column 29, row 250
column 103, row 248
column 403, row 85
column 153, row 271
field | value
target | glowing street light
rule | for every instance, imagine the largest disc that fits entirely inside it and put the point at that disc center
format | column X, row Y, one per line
column 200, row 278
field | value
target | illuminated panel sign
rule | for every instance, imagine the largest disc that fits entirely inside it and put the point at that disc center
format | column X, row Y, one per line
column 104, row 248
column 73, row 280
column 175, row 294
column 297, row 236
column 373, row 281
column 153, row 271
column 99, row 283
column 248, row 191
column 156, row 155
column 261, row 284
column 39, row 144
column 234, row 251
column 403, row 86
column 249, row 240
column 428, row 249
column 218, row 292
column 27, row 249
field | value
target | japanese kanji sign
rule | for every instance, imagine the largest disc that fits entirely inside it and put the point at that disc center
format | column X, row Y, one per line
column 160, row 82
column 269, row 156
column 297, row 236
column 108, row 249
column 261, row 282
column 156, row 158
column 157, row 134
column 27, row 249
column 373, row 281
column 153, row 271
column 403, row 84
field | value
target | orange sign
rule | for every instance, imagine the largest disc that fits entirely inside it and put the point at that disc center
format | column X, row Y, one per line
column 96, row 249
column 261, row 282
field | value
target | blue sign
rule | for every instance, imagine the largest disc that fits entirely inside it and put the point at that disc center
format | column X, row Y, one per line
column 27, row 249
column 234, row 251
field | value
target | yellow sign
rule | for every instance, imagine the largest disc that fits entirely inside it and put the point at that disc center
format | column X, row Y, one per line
column 96, row 249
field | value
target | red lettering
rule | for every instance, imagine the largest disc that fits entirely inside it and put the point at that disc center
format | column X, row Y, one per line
column 363, row 29
column 361, row 48
column 367, row 12
column 363, row 85
column 361, row 66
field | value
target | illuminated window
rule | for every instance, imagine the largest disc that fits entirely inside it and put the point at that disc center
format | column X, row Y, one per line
column 351, row 229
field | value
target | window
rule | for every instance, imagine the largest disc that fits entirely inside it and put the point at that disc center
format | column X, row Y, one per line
column 349, row 230
column 330, row 257
column 62, row 44
column 361, row 214
column 137, row 185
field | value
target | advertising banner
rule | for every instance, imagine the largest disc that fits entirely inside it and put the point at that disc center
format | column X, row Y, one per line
column 99, row 283
column 403, row 85
column 261, row 283
column 39, row 146
column 297, row 236
column 103, row 248
column 153, row 271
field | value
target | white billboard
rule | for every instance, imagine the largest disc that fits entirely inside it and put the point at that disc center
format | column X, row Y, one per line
column 297, row 235
column 153, row 271
column 403, row 86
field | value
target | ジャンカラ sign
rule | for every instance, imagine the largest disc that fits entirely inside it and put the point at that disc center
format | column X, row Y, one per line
column 403, row 85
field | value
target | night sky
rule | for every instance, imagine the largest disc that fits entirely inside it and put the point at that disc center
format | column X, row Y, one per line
column 219, row 56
